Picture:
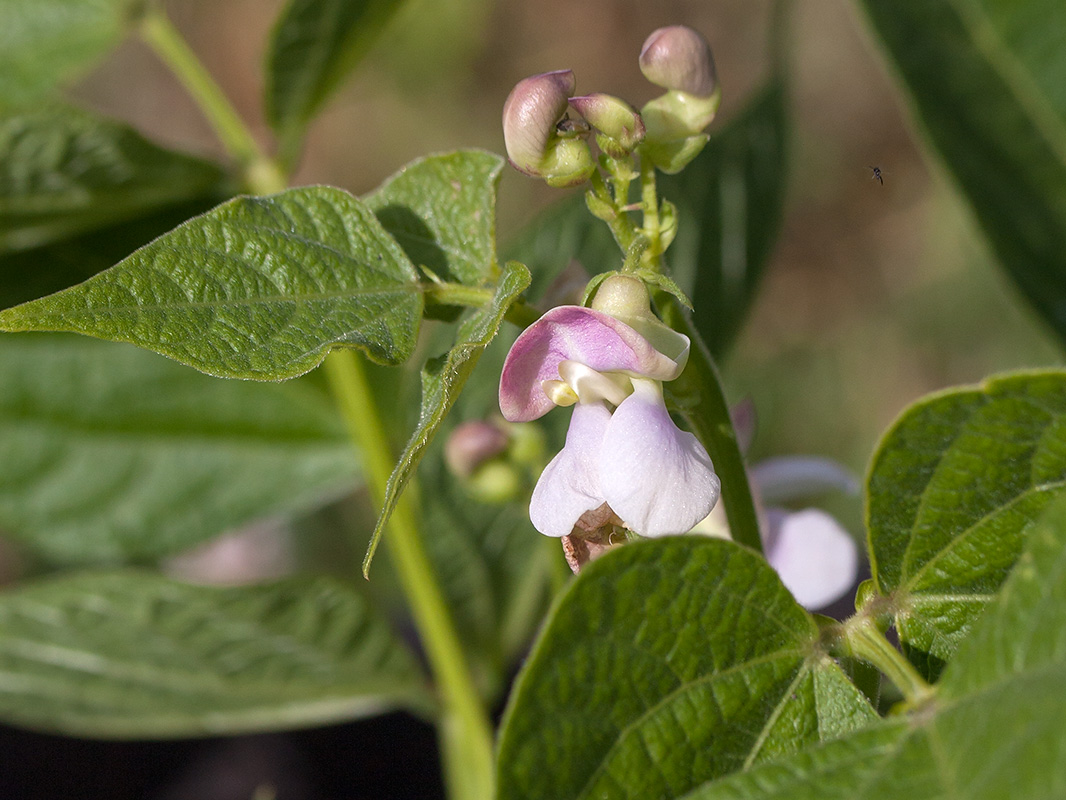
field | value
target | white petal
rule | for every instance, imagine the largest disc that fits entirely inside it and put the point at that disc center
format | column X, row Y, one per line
column 815, row 557
column 657, row 478
column 569, row 485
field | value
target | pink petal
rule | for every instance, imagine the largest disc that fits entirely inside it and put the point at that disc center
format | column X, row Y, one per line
column 815, row 557
column 570, row 485
column 573, row 333
column 656, row 477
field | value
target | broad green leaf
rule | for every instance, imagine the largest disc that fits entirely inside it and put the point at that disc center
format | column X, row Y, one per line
column 112, row 454
column 129, row 655
column 64, row 171
column 442, row 380
column 668, row 663
column 259, row 287
column 313, row 47
column 985, row 80
column 442, row 211
column 47, row 42
column 953, row 489
column 730, row 201
column 996, row 728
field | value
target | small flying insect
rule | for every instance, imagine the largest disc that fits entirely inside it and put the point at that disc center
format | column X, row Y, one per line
column 877, row 175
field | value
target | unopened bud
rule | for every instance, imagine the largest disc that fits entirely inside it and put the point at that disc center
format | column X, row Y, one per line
column 619, row 123
column 471, row 444
column 680, row 59
column 535, row 144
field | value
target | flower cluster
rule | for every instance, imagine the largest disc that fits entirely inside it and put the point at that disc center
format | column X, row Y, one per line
column 625, row 461
column 542, row 141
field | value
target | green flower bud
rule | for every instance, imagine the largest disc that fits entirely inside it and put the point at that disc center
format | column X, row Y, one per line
column 619, row 123
column 536, row 145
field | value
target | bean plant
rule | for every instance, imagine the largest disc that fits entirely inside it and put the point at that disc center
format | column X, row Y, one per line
column 562, row 489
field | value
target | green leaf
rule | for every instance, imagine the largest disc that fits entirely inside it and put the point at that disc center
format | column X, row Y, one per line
column 730, row 202
column 953, row 489
column 65, row 171
column 442, row 380
column 442, row 211
column 259, row 287
column 112, row 454
column 985, row 80
column 995, row 728
column 669, row 662
column 127, row 655
column 47, row 42
column 313, row 47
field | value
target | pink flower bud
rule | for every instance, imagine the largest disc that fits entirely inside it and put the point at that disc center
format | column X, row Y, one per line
column 471, row 444
column 534, row 145
column 680, row 59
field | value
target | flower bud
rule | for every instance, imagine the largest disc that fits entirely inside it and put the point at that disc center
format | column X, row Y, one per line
column 626, row 299
column 471, row 444
column 619, row 123
column 535, row 145
column 678, row 58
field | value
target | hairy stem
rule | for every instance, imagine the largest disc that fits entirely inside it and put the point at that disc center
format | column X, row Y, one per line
column 260, row 173
column 465, row 730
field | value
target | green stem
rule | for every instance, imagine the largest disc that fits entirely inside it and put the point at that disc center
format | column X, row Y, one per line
column 699, row 396
column 863, row 639
column 260, row 173
column 650, row 201
column 456, row 294
column 622, row 228
column 466, row 733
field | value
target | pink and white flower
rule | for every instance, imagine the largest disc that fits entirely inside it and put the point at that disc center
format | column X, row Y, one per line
column 623, row 450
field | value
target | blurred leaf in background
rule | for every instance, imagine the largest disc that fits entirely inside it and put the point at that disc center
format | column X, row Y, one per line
column 985, row 79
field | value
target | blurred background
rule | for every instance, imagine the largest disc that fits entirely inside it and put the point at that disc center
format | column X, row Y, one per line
column 876, row 294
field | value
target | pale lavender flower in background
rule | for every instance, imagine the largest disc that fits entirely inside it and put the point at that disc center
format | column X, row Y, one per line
column 814, row 556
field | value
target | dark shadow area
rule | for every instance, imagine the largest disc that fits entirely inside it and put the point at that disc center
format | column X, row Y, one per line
column 393, row 756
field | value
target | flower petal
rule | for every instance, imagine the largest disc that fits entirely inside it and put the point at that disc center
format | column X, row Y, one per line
column 656, row 477
column 788, row 478
column 573, row 333
column 815, row 557
column 570, row 485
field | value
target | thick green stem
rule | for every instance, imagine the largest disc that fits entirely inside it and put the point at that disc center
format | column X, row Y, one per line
column 261, row 174
column 466, row 733
column 863, row 639
column 699, row 397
